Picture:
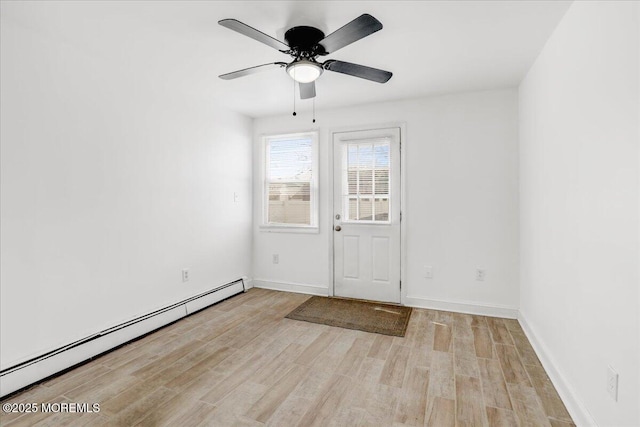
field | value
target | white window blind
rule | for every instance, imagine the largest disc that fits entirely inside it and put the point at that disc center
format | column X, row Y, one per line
column 290, row 184
column 366, row 176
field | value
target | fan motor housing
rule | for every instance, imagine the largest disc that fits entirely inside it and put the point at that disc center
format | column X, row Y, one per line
column 304, row 39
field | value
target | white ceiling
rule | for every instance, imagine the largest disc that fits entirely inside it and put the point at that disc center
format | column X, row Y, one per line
column 432, row 47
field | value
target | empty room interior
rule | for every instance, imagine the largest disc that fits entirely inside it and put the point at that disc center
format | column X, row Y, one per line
column 211, row 211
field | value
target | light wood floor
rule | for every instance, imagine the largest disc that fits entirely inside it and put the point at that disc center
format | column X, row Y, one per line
column 241, row 363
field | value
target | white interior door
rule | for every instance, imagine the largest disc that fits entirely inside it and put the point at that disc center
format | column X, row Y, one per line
column 366, row 221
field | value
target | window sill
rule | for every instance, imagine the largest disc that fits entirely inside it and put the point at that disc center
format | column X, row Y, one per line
column 289, row 229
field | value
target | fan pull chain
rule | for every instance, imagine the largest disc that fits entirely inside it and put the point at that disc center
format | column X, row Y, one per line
column 314, row 109
column 294, row 91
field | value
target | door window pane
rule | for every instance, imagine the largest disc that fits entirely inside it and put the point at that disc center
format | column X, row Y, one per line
column 366, row 177
column 382, row 209
column 366, row 209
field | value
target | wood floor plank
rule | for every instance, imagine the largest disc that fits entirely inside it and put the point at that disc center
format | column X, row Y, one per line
column 238, row 340
column 553, row 406
column 103, row 387
column 203, row 384
column 379, row 404
column 559, row 423
column 313, row 384
column 194, row 366
column 317, row 347
column 499, row 332
column 412, row 406
column 123, row 355
column 175, row 407
column 418, row 335
column 151, row 368
column 55, row 389
column 188, row 416
column 393, row 372
column 513, row 325
column 335, row 396
column 350, row 365
column 526, row 406
column 464, row 345
column 234, row 379
column 147, row 406
column 381, row 347
column 274, row 369
column 525, row 350
column 501, row 417
column 493, row 386
column 483, row 343
column 512, row 367
column 470, row 408
column 462, row 331
column 335, row 352
column 264, row 408
column 231, row 409
column 370, row 370
column 241, row 363
column 442, row 337
column 441, row 412
column 290, row 412
column 551, row 402
column 444, row 318
column 162, row 376
column 466, row 364
column 420, row 357
column 441, row 376
column 478, row 321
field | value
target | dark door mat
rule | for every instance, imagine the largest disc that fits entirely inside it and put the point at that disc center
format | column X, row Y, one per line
column 367, row 316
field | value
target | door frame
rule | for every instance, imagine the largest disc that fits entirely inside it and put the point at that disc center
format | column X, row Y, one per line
column 332, row 209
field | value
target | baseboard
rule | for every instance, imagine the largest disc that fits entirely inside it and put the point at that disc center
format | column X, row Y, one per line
column 291, row 287
column 24, row 374
column 463, row 307
column 577, row 410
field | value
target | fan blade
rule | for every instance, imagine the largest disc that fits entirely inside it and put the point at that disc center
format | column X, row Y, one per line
column 242, row 28
column 356, row 70
column 360, row 27
column 250, row 70
column 307, row 90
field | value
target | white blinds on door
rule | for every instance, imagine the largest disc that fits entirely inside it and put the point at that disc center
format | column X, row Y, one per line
column 366, row 180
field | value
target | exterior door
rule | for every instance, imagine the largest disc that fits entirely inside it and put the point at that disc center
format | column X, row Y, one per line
column 366, row 221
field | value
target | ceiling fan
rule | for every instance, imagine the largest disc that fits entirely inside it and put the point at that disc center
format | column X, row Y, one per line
column 305, row 45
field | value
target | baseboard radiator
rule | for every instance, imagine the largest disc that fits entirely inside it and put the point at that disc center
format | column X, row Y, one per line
column 24, row 374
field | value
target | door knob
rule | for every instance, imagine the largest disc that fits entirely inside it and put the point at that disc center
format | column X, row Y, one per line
column 338, row 228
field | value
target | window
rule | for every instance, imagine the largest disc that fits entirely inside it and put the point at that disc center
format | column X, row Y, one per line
column 290, row 189
column 366, row 176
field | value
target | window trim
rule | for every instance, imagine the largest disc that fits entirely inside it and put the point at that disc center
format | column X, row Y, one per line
column 313, row 197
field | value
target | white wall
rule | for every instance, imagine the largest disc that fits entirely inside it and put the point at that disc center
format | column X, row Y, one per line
column 110, row 187
column 461, row 208
column 579, row 191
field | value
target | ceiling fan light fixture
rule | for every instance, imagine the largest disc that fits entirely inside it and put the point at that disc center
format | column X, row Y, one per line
column 304, row 71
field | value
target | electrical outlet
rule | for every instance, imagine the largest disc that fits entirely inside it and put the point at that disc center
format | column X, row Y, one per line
column 276, row 258
column 236, row 197
column 428, row 272
column 480, row 274
column 612, row 383
column 185, row 274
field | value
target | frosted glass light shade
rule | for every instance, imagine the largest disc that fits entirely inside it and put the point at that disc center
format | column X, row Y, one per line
column 304, row 71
